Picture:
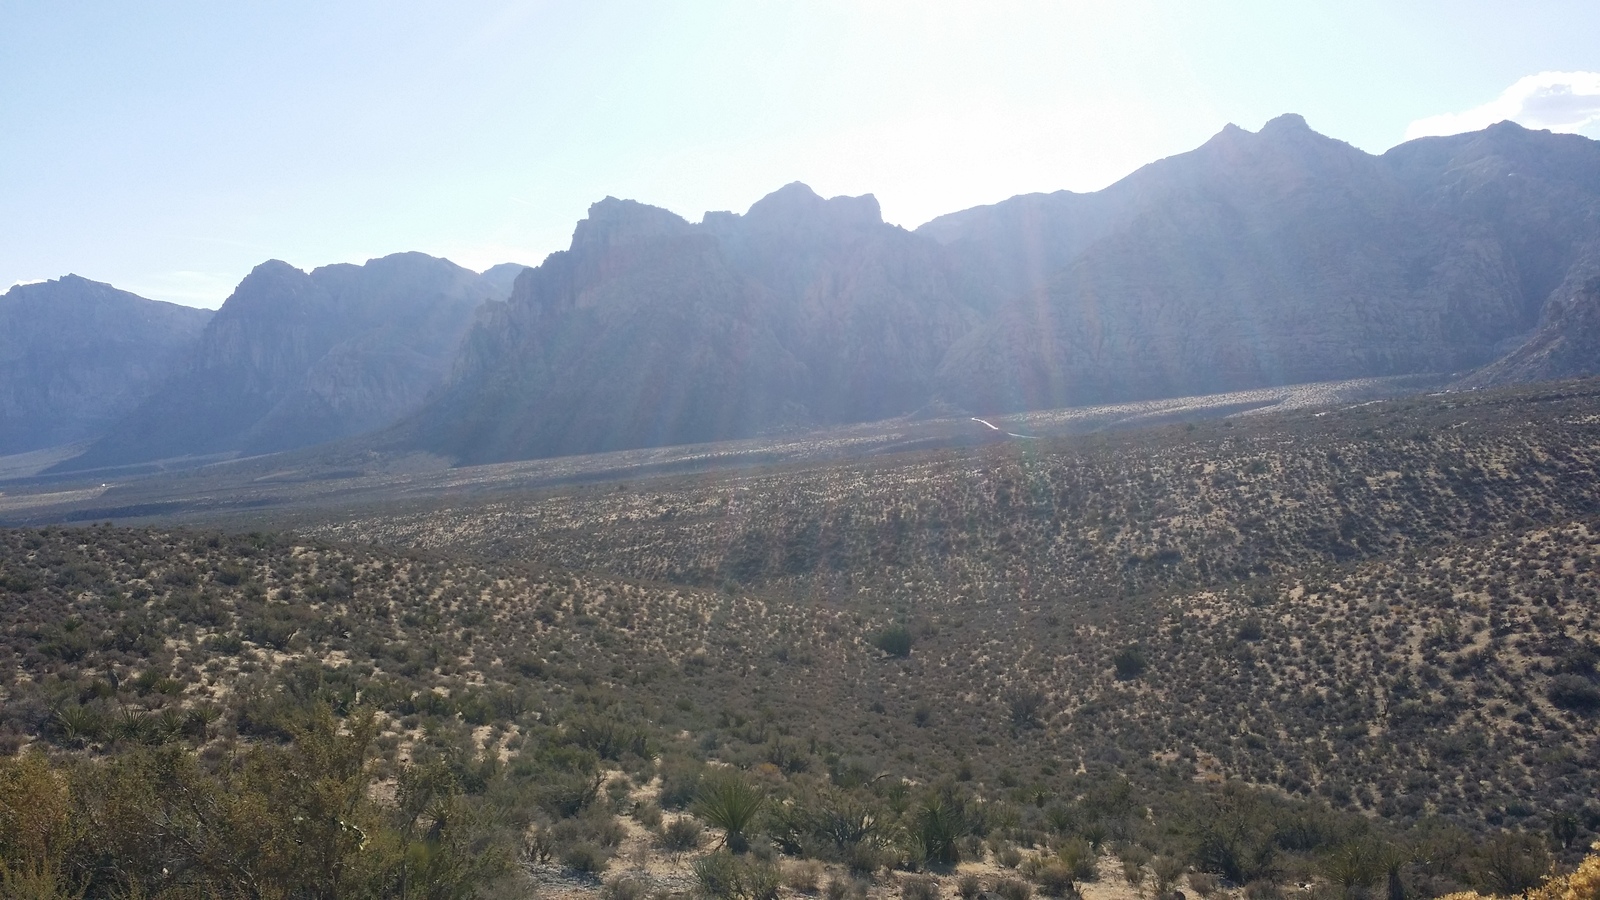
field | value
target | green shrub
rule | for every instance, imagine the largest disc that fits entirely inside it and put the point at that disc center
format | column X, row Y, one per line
column 918, row 887
column 1013, row 889
column 1129, row 662
column 1352, row 867
column 680, row 781
column 1025, row 705
column 680, row 835
column 828, row 823
column 647, row 814
column 1511, row 863
column 895, row 640
column 585, row 857
column 1079, row 859
column 938, row 823
column 723, row 876
column 626, row 887
column 1055, row 880
column 803, row 876
column 1574, row 692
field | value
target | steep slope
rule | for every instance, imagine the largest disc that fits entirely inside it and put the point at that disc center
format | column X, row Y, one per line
column 866, row 307
column 1566, row 344
column 1537, row 194
column 294, row 359
column 1013, row 248
column 1533, row 193
column 1257, row 259
column 651, row 330
column 75, row 354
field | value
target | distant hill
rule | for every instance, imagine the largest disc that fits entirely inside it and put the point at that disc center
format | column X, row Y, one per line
column 502, row 277
column 75, row 354
column 295, row 358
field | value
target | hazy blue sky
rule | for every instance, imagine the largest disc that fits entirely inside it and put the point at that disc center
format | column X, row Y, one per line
column 168, row 147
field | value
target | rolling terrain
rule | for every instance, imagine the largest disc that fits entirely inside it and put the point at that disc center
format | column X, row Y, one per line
column 1344, row 646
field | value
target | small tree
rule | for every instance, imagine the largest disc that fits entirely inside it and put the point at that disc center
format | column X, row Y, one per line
column 1129, row 662
column 1026, row 705
column 895, row 640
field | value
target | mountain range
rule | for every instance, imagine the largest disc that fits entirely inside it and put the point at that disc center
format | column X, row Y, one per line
column 1268, row 258
column 295, row 358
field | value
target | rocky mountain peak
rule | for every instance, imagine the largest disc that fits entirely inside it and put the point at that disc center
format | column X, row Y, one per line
column 796, row 205
column 612, row 223
column 272, row 268
column 269, row 287
column 1288, row 123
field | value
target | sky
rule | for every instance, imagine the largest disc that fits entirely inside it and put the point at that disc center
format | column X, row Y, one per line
column 169, row 147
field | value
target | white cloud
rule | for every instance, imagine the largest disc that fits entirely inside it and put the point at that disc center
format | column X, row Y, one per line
column 31, row 281
column 1558, row 101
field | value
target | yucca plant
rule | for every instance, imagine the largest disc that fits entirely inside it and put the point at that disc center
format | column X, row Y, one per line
column 80, row 725
column 935, row 828
column 730, row 802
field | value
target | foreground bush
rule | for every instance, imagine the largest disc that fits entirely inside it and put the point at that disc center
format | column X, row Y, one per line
column 723, row 876
column 1581, row 884
column 283, row 821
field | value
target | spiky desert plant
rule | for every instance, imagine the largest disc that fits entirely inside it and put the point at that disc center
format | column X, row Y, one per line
column 730, row 802
column 935, row 828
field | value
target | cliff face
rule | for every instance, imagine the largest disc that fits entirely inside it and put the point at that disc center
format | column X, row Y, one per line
column 295, row 358
column 1566, row 344
column 1284, row 257
column 652, row 330
column 75, row 354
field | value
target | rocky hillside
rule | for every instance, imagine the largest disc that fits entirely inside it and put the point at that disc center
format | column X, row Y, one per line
column 1284, row 257
column 75, row 354
column 652, row 330
column 1325, row 652
column 1564, row 346
column 295, row 358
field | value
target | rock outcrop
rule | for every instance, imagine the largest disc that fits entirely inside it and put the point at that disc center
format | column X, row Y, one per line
column 1566, row 344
